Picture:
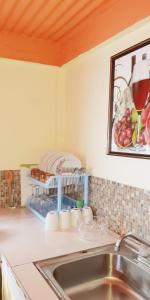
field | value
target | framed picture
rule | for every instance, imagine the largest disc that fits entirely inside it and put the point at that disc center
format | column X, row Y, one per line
column 129, row 107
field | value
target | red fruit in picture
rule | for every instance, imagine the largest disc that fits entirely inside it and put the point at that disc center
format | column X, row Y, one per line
column 120, row 140
column 123, row 134
column 123, row 130
column 124, row 126
column 144, row 114
column 126, row 142
column 129, row 132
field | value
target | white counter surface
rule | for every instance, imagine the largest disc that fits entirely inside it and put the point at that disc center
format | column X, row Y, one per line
column 23, row 240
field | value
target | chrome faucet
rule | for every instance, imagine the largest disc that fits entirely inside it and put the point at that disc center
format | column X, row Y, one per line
column 130, row 235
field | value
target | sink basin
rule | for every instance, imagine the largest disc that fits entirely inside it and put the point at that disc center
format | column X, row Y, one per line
column 98, row 274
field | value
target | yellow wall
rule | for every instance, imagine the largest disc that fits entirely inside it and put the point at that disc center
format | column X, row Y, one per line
column 27, row 111
column 44, row 107
column 85, row 81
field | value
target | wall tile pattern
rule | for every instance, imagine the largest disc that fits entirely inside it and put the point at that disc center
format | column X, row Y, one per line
column 10, row 191
column 124, row 208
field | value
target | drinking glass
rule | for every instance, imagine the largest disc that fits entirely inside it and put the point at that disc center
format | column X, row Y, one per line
column 90, row 230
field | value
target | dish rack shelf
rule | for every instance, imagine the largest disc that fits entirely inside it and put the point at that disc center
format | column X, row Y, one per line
column 59, row 199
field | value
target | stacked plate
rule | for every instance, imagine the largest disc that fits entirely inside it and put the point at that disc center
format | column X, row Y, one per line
column 59, row 162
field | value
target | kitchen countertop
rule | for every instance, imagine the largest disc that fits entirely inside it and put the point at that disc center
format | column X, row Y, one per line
column 23, row 240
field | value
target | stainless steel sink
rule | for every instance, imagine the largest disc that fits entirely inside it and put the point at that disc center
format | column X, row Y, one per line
column 99, row 274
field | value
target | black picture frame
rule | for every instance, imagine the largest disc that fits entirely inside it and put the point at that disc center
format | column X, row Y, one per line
column 129, row 102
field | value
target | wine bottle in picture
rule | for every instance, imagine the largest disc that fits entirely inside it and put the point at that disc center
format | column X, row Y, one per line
column 133, row 62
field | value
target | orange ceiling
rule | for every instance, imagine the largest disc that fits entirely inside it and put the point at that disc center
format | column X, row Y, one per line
column 44, row 19
column 39, row 30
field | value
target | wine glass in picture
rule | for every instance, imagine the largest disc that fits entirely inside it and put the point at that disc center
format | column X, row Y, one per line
column 140, row 88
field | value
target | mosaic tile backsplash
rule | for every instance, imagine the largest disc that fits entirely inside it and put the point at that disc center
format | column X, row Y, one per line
column 10, row 188
column 122, row 207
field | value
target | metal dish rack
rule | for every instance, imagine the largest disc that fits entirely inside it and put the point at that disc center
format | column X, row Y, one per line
column 54, row 193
